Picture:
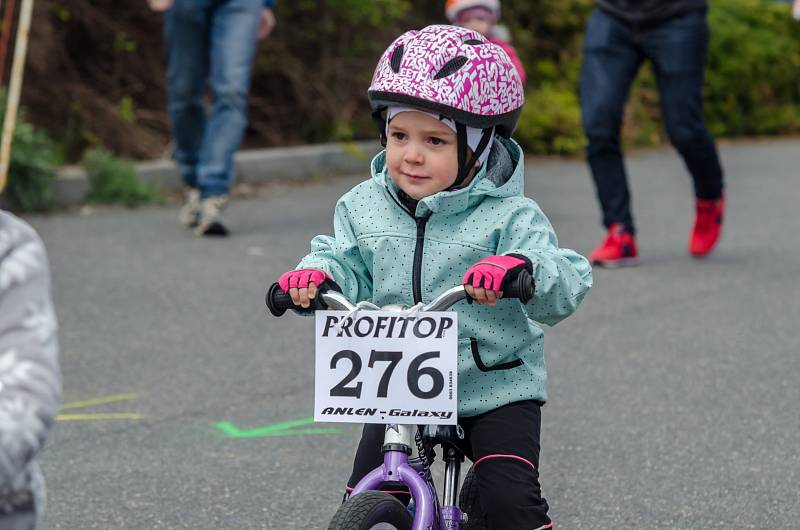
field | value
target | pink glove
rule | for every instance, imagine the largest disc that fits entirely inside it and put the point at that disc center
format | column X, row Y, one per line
column 493, row 272
column 300, row 278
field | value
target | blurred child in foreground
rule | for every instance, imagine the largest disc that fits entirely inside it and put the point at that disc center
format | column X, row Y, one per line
column 30, row 380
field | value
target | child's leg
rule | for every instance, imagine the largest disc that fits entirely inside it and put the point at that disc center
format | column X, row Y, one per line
column 368, row 457
column 505, row 451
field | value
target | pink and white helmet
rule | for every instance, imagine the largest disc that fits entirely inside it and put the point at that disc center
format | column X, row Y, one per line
column 452, row 71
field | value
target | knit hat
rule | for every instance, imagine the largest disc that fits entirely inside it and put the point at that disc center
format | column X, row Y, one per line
column 474, row 135
column 454, row 8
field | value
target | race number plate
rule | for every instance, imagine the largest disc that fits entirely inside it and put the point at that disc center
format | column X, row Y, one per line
column 386, row 367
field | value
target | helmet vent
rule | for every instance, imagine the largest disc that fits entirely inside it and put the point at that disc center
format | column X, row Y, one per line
column 474, row 42
column 452, row 66
column 397, row 58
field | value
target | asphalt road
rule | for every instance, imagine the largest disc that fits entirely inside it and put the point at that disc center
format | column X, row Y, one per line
column 674, row 389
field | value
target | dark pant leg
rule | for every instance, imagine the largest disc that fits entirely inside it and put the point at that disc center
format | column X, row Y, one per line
column 678, row 50
column 611, row 59
column 368, row 454
column 509, row 489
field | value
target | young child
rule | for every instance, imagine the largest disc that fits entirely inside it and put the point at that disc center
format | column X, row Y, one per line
column 482, row 16
column 30, row 380
column 445, row 206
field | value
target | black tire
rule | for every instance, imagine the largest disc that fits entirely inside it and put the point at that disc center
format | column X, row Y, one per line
column 370, row 509
column 470, row 503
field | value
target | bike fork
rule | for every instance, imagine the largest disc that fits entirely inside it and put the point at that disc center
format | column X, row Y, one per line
column 452, row 516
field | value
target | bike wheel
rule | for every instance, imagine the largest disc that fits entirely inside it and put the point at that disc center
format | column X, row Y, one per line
column 470, row 503
column 371, row 510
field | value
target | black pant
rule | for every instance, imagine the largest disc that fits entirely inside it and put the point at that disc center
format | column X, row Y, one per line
column 511, row 497
column 613, row 52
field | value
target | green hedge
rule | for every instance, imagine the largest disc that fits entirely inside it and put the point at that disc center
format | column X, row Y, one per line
column 31, row 171
column 551, row 122
column 114, row 181
column 753, row 85
column 752, row 82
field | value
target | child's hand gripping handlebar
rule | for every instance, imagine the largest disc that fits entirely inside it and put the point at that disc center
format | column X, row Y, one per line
column 496, row 272
column 278, row 300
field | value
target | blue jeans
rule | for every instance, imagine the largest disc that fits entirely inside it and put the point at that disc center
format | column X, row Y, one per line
column 214, row 42
column 613, row 53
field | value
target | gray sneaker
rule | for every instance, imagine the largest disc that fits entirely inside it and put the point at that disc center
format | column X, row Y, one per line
column 211, row 222
column 189, row 215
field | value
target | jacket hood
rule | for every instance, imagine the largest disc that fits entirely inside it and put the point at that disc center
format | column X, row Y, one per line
column 502, row 176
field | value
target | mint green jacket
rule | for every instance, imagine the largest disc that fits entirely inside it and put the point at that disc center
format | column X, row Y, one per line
column 383, row 253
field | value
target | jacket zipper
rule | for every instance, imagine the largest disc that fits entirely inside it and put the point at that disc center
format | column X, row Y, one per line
column 416, row 276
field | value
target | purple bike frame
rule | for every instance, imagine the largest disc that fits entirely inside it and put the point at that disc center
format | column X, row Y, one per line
column 397, row 469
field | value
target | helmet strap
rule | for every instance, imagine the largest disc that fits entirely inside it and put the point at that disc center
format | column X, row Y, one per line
column 380, row 122
column 465, row 167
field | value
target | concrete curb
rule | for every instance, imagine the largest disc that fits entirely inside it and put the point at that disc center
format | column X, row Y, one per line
column 256, row 166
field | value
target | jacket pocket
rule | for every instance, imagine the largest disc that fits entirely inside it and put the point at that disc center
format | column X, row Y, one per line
column 476, row 356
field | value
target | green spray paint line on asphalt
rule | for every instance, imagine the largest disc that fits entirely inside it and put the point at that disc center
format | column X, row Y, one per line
column 278, row 429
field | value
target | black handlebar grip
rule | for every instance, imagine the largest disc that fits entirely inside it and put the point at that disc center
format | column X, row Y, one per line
column 278, row 300
column 521, row 287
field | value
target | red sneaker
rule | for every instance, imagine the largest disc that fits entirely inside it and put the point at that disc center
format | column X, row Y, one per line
column 617, row 249
column 707, row 227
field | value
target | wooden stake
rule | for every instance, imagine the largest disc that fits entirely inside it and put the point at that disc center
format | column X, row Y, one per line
column 15, row 87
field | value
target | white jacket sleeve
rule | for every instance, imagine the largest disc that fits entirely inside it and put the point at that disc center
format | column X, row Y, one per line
column 30, row 381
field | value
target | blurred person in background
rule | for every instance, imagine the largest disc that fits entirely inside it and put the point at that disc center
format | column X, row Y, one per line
column 482, row 16
column 674, row 36
column 214, row 42
column 30, row 380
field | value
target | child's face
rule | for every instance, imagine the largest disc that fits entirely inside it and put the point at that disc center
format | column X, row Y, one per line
column 477, row 20
column 421, row 154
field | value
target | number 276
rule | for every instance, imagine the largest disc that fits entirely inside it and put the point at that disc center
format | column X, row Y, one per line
column 415, row 373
